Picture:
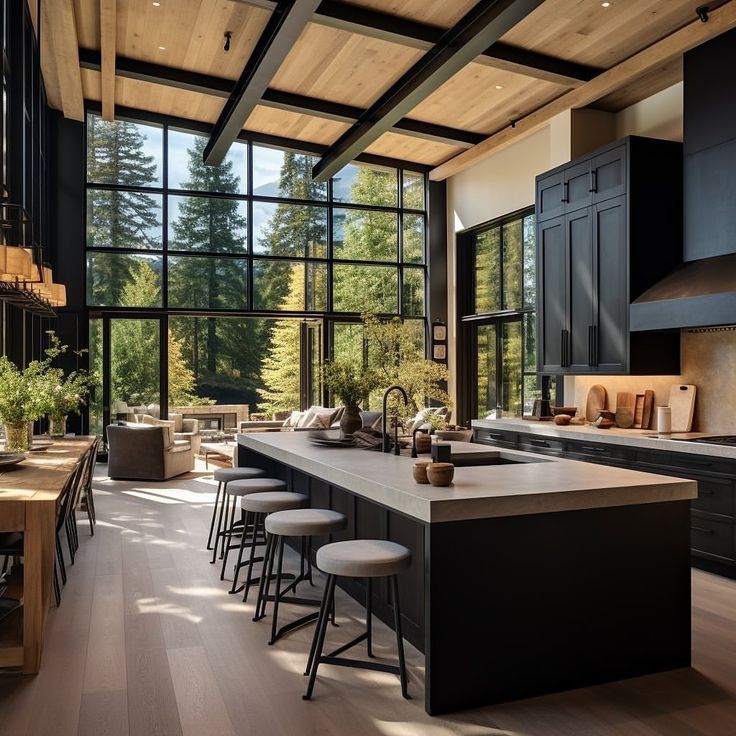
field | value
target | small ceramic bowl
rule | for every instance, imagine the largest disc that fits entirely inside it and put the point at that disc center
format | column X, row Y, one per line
column 454, row 435
column 419, row 471
column 440, row 474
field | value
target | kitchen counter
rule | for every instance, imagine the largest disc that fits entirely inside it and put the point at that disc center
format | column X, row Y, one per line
column 526, row 578
column 530, row 485
column 644, row 438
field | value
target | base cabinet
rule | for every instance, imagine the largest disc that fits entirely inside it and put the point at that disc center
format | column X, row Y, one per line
column 712, row 513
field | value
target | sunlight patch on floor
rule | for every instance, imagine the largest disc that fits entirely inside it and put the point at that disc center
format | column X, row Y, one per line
column 156, row 605
column 150, row 497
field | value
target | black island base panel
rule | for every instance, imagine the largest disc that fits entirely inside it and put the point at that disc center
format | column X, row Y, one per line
column 521, row 606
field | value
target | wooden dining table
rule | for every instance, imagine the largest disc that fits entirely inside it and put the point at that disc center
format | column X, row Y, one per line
column 29, row 500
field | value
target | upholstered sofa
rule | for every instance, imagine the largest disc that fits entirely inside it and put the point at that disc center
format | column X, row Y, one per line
column 146, row 452
column 184, row 429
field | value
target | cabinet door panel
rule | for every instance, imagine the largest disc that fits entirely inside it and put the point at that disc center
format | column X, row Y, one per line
column 611, row 252
column 577, row 186
column 550, row 197
column 581, row 313
column 608, row 177
column 552, row 293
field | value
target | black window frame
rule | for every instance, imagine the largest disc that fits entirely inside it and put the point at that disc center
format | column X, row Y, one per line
column 468, row 319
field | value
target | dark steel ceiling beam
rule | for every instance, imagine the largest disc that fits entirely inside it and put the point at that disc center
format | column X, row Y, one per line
column 283, row 28
column 375, row 24
column 484, row 24
column 219, row 87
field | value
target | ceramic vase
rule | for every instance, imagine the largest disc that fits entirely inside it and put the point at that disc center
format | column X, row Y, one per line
column 351, row 421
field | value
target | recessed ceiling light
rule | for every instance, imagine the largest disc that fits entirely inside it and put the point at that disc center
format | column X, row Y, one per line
column 605, row 5
column 499, row 86
column 156, row 5
column 162, row 48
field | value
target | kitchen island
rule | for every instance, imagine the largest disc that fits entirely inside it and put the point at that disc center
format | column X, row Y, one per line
column 530, row 574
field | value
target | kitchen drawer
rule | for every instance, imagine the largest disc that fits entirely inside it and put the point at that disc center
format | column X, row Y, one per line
column 544, row 445
column 712, row 536
column 597, row 452
column 715, row 495
column 687, row 462
column 499, row 437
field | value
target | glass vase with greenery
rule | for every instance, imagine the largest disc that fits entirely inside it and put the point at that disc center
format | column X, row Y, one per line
column 352, row 386
column 22, row 401
column 63, row 394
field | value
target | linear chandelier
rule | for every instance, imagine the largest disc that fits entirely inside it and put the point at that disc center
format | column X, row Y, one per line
column 24, row 277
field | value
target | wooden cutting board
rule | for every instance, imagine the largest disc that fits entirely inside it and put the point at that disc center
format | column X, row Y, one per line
column 596, row 402
column 682, row 404
column 625, row 405
column 646, row 419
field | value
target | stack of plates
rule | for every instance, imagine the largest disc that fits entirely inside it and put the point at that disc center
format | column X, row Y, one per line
column 329, row 438
column 40, row 445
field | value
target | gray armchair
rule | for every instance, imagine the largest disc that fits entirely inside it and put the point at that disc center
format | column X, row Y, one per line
column 146, row 452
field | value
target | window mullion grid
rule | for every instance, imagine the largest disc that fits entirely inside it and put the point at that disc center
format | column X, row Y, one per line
column 165, row 221
column 249, row 226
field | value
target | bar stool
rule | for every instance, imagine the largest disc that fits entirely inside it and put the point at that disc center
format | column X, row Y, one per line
column 359, row 558
column 223, row 476
column 302, row 523
column 234, row 490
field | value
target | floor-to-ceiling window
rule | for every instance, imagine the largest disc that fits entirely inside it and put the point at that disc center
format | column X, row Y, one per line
column 244, row 267
column 497, row 312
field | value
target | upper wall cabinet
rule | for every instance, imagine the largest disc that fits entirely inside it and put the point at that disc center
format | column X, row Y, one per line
column 609, row 225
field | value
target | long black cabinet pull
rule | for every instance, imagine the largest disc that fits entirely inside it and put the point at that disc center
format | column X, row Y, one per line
column 702, row 529
column 562, row 348
column 539, row 443
column 495, row 436
column 565, row 192
column 593, row 182
column 590, row 448
column 591, row 354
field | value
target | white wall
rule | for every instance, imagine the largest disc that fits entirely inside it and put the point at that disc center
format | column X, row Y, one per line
column 504, row 182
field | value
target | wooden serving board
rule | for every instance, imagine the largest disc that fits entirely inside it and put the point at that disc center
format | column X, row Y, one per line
column 625, row 405
column 596, row 402
column 646, row 420
column 682, row 404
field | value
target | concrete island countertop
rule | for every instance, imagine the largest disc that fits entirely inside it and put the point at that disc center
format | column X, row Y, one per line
column 535, row 484
column 644, row 438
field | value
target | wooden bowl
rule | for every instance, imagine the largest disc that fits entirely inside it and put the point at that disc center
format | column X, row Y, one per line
column 419, row 471
column 440, row 474
column 569, row 410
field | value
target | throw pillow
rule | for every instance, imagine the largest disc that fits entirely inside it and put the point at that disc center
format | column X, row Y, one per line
column 293, row 419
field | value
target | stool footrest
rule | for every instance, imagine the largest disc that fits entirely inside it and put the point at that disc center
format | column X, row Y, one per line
column 360, row 664
column 349, row 645
column 296, row 624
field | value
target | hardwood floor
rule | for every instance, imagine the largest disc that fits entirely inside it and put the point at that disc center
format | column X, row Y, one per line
column 147, row 641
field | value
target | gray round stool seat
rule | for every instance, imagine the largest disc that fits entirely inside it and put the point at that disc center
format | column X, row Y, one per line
column 269, row 502
column 229, row 474
column 255, row 485
column 363, row 558
column 305, row 522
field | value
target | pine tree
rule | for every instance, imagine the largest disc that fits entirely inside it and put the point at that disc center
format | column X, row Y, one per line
column 115, row 154
column 135, row 350
column 223, row 353
column 368, row 236
column 280, row 372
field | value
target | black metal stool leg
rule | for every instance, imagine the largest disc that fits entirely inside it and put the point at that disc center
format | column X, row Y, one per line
column 399, row 638
column 214, row 514
column 369, row 616
column 243, row 539
column 257, row 522
column 227, row 532
column 279, row 570
column 266, row 573
column 321, row 615
column 229, row 539
column 319, row 634
column 219, row 524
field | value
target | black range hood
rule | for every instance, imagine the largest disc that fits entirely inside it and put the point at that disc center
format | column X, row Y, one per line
column 702, row 292
column 698, row 294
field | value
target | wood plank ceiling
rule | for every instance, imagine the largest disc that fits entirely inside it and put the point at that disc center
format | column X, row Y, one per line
column 340, row 63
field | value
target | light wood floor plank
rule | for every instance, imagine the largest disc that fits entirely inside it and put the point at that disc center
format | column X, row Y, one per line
column 104, row 714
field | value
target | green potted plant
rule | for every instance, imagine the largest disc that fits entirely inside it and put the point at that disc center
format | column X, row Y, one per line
column 62, row 395
column 22, row 394
column 351, row 385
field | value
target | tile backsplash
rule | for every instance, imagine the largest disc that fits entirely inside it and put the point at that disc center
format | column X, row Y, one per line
column 708, row 360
